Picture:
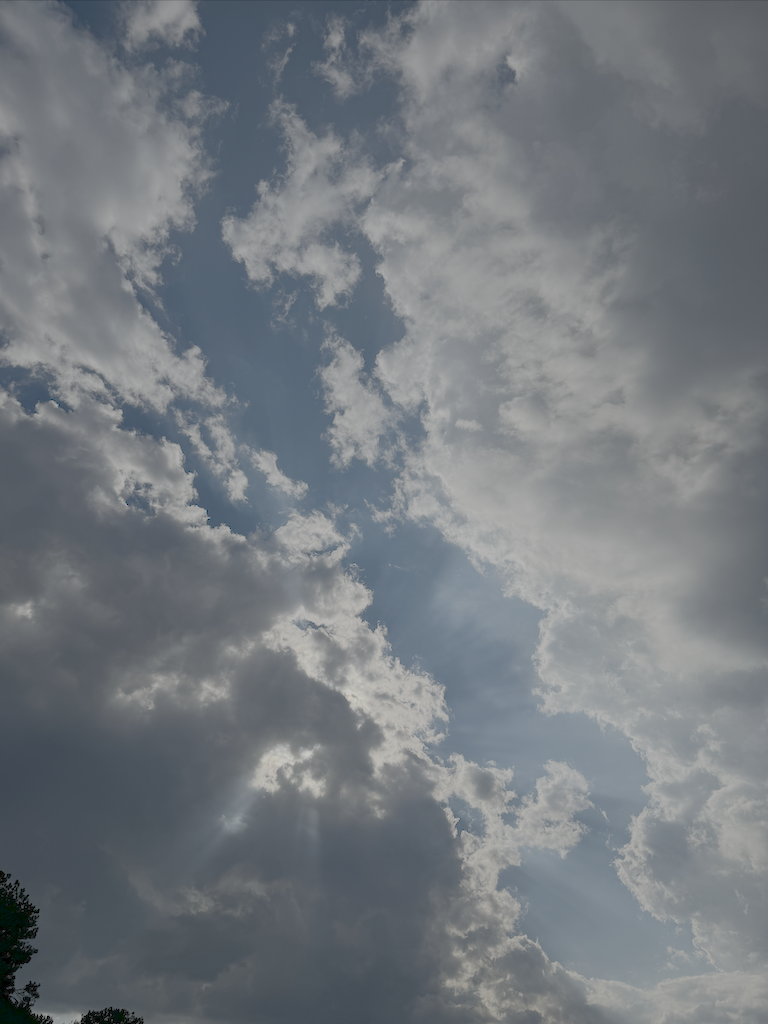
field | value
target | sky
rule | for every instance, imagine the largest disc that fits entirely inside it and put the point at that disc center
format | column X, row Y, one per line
column 384, row 570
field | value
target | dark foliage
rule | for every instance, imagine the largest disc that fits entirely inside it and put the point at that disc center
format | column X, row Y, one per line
column 11, row 1013
column 18, row 924
column 110, row 1015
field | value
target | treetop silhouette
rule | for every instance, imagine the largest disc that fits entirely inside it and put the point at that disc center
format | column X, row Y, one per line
column 18, row 926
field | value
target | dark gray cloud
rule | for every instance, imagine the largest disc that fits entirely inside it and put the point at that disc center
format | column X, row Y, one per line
column 209, row 829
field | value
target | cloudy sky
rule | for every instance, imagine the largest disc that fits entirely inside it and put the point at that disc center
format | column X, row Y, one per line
column 384, row 429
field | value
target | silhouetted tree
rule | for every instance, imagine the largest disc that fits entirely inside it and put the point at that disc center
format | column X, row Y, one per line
column 18, row 924
column 110, row 1015
column 10, row 1013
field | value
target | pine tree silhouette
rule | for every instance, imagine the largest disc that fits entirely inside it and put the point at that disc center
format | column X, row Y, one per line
column 18, row 925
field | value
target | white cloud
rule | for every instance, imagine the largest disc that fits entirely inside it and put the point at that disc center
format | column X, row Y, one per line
column 471, row 425
column 360, row 417
column 266, row 463
column 333, row 68
column 547, row 821
column 93, row 177
column 222, row 459
column 274, row 39
column 286, row 231
column 170, row 22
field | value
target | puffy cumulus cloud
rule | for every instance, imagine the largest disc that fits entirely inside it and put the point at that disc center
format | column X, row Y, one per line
column 287, row 231
column 361, row 418
column 222, row 458
column 547, row 820
column 575, row 255
column 243, row 791
column 266, row 463
column 136, row 658
column 543, row 821
column 495, row 969
column 98, row 164
column 154, row 22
